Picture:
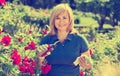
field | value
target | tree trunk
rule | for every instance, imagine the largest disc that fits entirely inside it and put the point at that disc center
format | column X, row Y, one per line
column 101, row 22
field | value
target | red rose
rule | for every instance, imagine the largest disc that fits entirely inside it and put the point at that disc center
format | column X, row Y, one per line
column 25, row 60
column 14, row 51
column 3, row 2
column 23, row 68
column 46, row 69
column 91, row 52
column 30, row 31
column 20, row 39
column 6, row 40
column 31, row 71
column 15, row 57
column 27, row 66
column 44, row 31
column 32, row 45
column 32, row 62
column 26, row 48
column 81, row 73
column 17, row 60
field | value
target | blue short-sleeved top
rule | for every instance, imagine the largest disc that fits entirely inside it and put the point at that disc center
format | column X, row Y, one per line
column 64, row 54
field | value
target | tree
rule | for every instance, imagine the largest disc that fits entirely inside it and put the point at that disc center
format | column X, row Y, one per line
column 102, row 9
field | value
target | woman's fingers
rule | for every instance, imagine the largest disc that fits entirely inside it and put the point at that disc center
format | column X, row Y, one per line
column 41, row 60
column 42, row 48
column 82, row 62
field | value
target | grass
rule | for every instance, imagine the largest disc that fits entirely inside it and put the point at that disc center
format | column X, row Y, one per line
column 107, row 26
column 108, row 70
column 87, row 21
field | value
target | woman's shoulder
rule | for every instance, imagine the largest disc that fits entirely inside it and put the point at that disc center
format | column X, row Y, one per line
column 76, row 34
column 48, row 37
column 44, row 39
column 79, row 36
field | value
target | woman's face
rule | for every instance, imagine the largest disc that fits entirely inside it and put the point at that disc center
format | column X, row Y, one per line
column 62, row 21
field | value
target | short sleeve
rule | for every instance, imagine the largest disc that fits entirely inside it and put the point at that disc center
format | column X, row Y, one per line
column 44, row 40
column 84, row 44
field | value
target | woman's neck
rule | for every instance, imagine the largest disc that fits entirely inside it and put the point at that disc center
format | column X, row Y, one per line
column 62, row 36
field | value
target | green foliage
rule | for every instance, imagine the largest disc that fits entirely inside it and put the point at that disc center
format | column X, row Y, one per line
column 118, row 46
column 13, row 24
column 23, row 32
column 111, row 34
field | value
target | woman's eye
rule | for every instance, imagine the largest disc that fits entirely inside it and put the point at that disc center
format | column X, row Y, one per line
column 64, row 17
column 57, row 18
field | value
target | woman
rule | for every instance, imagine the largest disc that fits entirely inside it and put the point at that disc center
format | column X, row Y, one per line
column 68, row 54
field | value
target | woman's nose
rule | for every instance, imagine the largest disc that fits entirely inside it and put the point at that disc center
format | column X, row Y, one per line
column 61, row 20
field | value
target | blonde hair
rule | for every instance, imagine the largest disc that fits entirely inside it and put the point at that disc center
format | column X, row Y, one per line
column 63, row 7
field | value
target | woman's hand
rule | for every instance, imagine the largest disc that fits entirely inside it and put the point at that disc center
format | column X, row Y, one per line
column 42, row 48
column 42, row 61
column 84, row 62
column 39, row 60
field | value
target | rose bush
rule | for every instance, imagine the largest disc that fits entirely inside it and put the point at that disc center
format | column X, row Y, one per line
column 19, row 51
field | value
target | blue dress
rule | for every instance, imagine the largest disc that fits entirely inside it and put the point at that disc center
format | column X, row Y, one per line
column 64, row 54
